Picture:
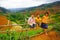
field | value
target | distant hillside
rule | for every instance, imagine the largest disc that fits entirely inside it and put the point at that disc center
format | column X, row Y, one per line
column 43, row 6
column 3, row 10
column 16, row 9
column 54, row 4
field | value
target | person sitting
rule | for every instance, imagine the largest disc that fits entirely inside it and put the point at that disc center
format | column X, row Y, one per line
column 38, row 20
column 31, row 21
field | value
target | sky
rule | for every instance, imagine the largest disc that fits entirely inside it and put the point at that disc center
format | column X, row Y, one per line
column 23, row 3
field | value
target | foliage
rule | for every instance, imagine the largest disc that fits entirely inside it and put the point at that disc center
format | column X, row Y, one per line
column 23, row 35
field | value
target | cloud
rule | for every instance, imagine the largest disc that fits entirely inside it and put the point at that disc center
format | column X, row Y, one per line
column 22, row 3
column 18, row 3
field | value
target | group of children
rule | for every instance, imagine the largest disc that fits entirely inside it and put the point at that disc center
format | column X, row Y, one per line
column 42, row 22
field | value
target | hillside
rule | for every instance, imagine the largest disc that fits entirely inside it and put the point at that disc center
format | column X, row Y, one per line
column 54, row 5
column 49, row 5
column 43, row 7
column 3, row 10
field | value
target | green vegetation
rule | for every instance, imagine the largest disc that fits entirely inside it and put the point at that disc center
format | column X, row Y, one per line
column 21, row 18
column 13, row 35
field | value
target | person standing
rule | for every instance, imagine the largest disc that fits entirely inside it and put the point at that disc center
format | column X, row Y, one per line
column 45, row 21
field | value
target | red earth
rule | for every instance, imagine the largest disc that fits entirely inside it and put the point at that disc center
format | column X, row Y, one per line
column 4, row 21
column 52, row 35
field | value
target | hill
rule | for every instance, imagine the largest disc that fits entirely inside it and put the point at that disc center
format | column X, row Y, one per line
column 3, row 10
column 43, row 7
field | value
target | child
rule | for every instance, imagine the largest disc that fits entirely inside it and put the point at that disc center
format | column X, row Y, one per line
column 38, row 20
column 44, row 23
column 31, row 21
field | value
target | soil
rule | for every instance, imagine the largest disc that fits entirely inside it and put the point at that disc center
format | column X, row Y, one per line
column 52, row 35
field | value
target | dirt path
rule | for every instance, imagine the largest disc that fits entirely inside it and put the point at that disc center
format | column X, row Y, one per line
column 51, row 36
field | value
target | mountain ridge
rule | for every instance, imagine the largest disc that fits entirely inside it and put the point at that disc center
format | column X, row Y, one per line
column 43, row 6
